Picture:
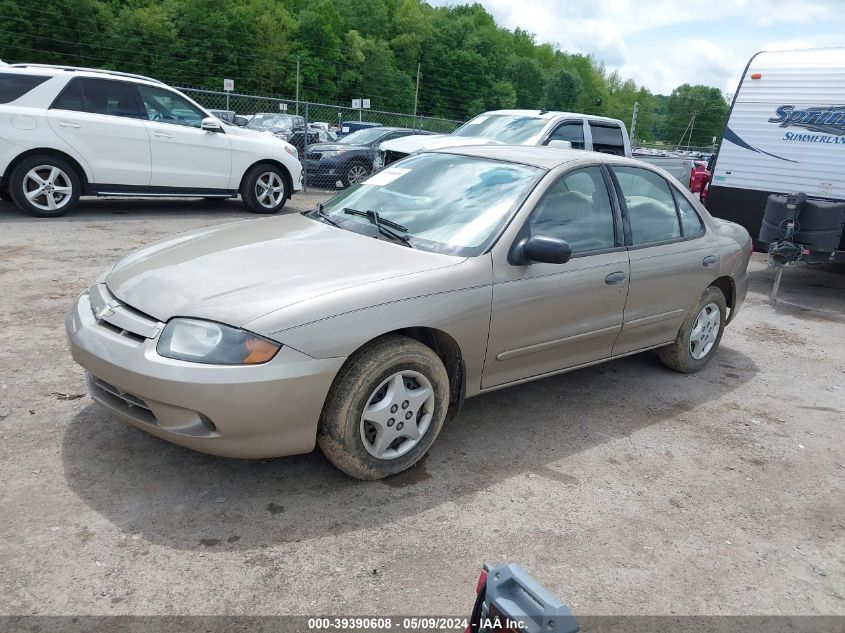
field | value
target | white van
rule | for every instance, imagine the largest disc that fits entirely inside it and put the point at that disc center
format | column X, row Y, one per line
column 785, row 134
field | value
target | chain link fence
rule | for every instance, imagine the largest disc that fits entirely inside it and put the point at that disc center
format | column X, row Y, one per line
column 315, row 129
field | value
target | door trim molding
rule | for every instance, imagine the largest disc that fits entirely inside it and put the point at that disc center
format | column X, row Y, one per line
column 540, row 347
column 653, row 318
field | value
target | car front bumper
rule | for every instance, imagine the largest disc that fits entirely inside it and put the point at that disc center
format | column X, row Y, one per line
column 266, row 410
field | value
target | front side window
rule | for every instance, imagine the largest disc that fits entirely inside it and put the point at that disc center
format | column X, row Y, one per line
column 444, row 203
column 690, row 222
column 13, row 86
column 607, row 139
column 572, row 132
column 651, row 208
column 504, row 128
column 100, row 96
column 168, row 107
column 577, row 209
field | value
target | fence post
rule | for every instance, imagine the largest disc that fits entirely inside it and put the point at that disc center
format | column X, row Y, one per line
column 305, row 153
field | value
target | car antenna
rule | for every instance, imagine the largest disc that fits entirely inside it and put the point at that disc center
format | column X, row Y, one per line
column 543, row 111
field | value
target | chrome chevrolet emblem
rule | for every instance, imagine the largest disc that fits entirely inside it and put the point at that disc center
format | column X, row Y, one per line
column 105, row 311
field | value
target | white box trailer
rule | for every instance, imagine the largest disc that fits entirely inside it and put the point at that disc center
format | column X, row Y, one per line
column 785, row 133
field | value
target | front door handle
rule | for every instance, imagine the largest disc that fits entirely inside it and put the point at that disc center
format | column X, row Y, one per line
column 161, row 135
column 614, row 279
column 709, row 261
column 69, row 124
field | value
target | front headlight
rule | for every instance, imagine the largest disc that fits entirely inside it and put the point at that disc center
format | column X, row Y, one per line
column 290, row 149
column 213, row 343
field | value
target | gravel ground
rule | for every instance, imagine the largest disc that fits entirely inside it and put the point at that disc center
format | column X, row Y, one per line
column 624, row 488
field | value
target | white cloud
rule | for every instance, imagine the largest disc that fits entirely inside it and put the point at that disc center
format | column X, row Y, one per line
column 664, row 43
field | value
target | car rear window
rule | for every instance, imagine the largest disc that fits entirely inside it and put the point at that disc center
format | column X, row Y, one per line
column 13, row 86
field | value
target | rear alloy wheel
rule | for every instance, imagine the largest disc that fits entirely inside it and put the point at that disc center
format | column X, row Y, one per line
column 45, row 186
column 385, row 408
column 699, row 334
column 355, row 174
column 265, row 189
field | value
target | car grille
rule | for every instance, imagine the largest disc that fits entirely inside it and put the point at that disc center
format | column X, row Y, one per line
column 120, row 318
column 128, row 403
column 314, row 155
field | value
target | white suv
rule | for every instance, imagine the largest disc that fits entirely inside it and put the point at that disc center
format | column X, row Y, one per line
column 66, row 132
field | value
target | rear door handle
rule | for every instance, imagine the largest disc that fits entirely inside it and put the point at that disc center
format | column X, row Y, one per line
column 162, row 135
column 614, row 279
column 69, row 124
column 709, row 261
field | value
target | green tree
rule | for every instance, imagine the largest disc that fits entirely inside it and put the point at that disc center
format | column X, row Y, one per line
column 562, row 91
column 695, row 114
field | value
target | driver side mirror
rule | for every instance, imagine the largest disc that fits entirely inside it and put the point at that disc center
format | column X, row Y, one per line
column 559, row 144
column 210, row 124
column 542, row 249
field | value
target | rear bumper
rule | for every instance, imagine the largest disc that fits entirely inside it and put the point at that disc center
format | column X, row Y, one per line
column 265, row 410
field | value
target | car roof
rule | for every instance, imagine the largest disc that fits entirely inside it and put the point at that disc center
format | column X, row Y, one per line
column 536, row 156
column 551, row 114
column 53, row 70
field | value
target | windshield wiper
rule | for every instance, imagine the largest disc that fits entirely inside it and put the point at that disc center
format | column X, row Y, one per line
column 385, row 227
column 321, row 213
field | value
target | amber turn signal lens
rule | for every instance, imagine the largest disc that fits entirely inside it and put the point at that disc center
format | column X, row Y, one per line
column 756, row 75
column 259, row 351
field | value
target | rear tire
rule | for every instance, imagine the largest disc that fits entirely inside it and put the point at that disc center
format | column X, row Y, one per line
column 265, row 188
column 45, row 186
column 698, row 337
column 385, row 408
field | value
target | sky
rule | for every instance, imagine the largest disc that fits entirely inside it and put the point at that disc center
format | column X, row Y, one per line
column 662, row 44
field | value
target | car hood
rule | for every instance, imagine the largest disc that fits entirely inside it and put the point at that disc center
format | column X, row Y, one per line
column 426, row 142
column 237, row 272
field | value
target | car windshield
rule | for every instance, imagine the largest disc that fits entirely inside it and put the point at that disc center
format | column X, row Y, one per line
column 363, row 137
column 270, row 122
column 505, row 128
column 445, row 203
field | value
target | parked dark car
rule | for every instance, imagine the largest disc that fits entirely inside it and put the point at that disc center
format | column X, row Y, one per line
column 350, row 158
column 348, row 127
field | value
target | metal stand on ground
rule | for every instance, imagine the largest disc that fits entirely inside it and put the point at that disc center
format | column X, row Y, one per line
column 774, row 296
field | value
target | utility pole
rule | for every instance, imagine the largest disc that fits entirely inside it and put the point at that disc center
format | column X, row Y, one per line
column 297, row 84
column 634, row 120
column 691, row 127
column 417, row 91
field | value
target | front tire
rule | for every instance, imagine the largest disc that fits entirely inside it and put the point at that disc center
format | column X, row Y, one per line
column 355, row 173
column 45, row 186
column 385, row 408
column 265, row 189
column 699, row 334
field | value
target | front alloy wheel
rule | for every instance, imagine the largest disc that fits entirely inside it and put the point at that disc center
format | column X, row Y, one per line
column 264, row 189
column 355, row 174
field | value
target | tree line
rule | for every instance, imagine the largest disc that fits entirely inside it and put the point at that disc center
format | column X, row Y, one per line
column 347, row 49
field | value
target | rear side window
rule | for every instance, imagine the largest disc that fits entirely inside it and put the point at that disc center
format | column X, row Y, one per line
column 14, row 86
column 651, row 208
column 607, row 139
column 690, row 222
column 100, row 96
